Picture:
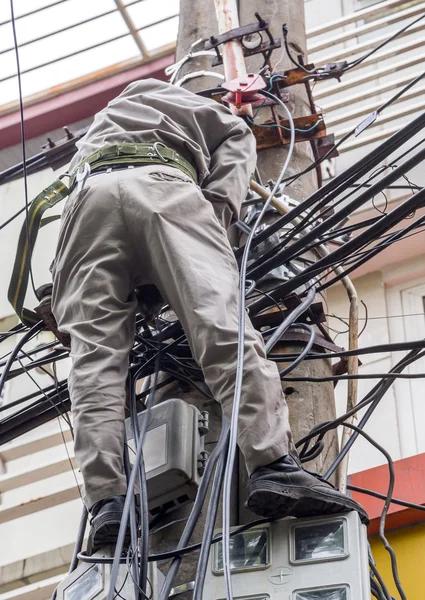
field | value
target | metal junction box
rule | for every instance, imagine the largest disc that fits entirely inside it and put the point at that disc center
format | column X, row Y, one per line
column 322, row 558
column 173, row 453
column 91, row 581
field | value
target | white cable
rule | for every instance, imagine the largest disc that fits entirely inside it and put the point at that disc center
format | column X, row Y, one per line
column 240, row 360
column 175, row 68
column 291, row 318
column 194, row 74
column 171, row 68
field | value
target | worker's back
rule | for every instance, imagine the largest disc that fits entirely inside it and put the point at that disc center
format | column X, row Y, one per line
column 151, row 110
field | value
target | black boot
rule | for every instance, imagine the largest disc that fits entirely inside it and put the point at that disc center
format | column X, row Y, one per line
column 284, row 489
column 105, row 524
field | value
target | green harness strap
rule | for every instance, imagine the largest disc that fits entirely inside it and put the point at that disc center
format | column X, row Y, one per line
column 53, row 194
column 129, row 153
column 126, row 153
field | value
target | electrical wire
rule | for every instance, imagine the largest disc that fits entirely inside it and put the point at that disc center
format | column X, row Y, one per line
column 291, row 318
column 4, row 335
column 339, row 184
column 240, row 361
column 354, row 244
column 131, row 564
column 373, row 397
column 381, row 587
column 305, row 351
column 133, row 546
column 277, row 126
column 273, row 301
column 202, row 566
column 197, row 546
column 118, row 592
column 138, row 470
column 362, row 258
column 361, row 490
column 289, row 54
column 384, row 513
column 358, row 61
column 60, row 426
column 316, row 211
column 22, row 122
column 24, row 399
column 160, row 556
column 218, row 451
column 353, row 131
column 359, row 376
column 393, row 347
column 12, row 218
column 384, row 224
column 25, row 338
column 36, row 350
column 366, row 253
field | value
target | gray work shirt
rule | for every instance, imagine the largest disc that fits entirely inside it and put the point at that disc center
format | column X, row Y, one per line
column 219, row 143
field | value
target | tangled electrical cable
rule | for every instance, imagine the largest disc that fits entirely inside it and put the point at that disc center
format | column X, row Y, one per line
column 161, row 346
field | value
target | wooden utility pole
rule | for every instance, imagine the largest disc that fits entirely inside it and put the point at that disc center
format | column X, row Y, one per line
column 309, row 404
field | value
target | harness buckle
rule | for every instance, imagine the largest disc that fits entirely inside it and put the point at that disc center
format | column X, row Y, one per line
column 82, row 174
column 158, row 153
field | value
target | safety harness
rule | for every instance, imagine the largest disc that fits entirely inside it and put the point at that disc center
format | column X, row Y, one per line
column 135, row 154
column 108, row 156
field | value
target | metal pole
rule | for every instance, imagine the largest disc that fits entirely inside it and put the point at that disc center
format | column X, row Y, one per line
column 227, row 19
column 232, row 52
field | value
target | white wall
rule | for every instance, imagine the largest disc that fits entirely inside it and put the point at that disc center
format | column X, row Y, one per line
column 395, row 314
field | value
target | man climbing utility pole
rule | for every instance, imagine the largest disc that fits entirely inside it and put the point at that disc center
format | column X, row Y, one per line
column 308, row 405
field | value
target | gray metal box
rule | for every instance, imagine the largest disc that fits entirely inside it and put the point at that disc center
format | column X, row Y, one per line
column 173, row 453
column 91, row 581
column 321, row 558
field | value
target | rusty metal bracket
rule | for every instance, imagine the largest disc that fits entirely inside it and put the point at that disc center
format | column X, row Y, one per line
column 325, row 143
column 333, row 70
column 58, row 153
column 291, row 77
column 315, row 312
column 314, row 315
column 307, row 128
column 272, row 318
column 319, row 341
column 245, row 32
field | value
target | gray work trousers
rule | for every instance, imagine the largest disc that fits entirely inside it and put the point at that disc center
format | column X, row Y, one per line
column 131, row 227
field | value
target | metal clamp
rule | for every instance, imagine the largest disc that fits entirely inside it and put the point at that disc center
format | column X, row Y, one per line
column 81, row 176
column 158, row 153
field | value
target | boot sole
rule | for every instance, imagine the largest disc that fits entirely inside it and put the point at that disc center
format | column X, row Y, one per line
column 296, row 501
column 104, row 532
